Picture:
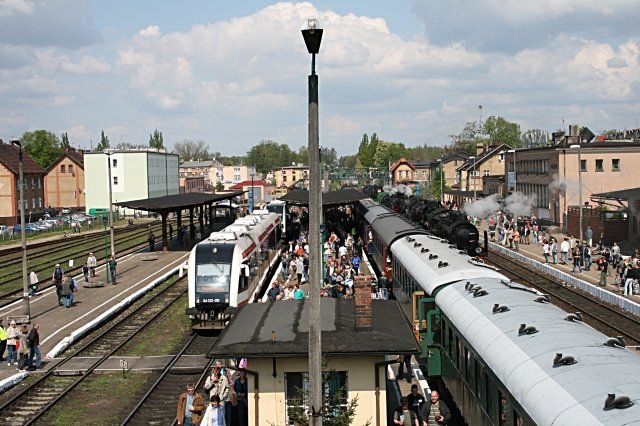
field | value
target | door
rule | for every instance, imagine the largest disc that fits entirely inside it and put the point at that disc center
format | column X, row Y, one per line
column 428, row 326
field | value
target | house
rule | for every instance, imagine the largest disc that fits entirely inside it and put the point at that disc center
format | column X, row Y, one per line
column 33, row 186
column 210, row 170
column 488, row 161
column 450, row 164
column 259, row 187
column 64, row 182
column 356, row 336
column 292, row 176
column 135, row 174
column 190, row 184
column 403, row 173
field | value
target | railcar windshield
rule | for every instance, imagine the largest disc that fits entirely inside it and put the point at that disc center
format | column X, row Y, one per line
column 213, row 277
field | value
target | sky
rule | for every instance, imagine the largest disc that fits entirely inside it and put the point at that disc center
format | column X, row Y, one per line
column 233, row 73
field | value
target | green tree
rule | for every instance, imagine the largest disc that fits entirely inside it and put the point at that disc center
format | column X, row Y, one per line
column 348, row 161
column 156, row 140
column 367, row 150
column 219, row 186
column 268, row 155
column 328, row 156
column 104, row 142
column 436, row 178
column 534, row 138
column 425, row 152
column 500, row 131
column 64, row 143
column 42, row 146
column 387, row 153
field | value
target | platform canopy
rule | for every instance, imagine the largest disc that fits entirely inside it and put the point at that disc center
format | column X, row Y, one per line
column 623, row 194
column 331, row 198
column 177, row 202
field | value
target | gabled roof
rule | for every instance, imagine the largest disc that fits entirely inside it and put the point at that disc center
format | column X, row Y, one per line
column 71, row 153
column 241, row 185
column 9, row 157
column 398, row 163
column 490, row 152
column 281, row 329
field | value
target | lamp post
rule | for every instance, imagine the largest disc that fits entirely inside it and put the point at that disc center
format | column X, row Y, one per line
column 441, row 183
column 108, row 153
column 473, row 175
column 578, row 147
column 251, row 196
column 312, row 34
column 23, row 236
column 514, row 169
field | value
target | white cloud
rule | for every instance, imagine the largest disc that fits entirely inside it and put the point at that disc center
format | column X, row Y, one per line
column 15, row 7
column 86, row 65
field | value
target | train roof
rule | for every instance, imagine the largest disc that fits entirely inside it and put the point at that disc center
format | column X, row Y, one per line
column 389, row 226
column 566, row 395
column 413, row 252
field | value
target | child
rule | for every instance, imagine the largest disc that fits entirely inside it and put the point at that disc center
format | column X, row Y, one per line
column 85, row 272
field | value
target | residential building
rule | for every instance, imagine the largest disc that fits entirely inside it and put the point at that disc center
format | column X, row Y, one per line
column 33, row 186
column 261, row 190
column 488, row 161
column 192, row 184
column 450, row 164
column 64, row 182
column 402, row 173
column 357, row 335
column 211, row 170
column 290, row 176
column 135, row 175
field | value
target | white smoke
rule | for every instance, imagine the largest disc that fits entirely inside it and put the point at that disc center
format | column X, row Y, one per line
column 401, row 189
column 519, row 204
column 482, row 208
column 566, row 186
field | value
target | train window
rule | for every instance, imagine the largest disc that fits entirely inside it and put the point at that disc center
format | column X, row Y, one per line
column 506, row 412
column 492, row 399
column 452, row 350
column 481, row 385
column 213, row 277
column 460, row 357
column 470, row 373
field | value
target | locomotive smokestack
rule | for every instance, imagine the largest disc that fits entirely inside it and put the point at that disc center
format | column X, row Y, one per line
column 362, row 286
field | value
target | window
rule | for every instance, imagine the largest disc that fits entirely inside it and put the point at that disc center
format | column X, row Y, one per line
column 40, row 202
column 485, row 173
column 599, row 165
column 297, row 387
column 39, row 183
column 115, row 180
column 583, row 165
column 63, row 168
column 114, row 163
column 70, row 168
column 33, row 183
column 615, row 165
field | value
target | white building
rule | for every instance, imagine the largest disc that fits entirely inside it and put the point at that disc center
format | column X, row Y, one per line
column 135, row 175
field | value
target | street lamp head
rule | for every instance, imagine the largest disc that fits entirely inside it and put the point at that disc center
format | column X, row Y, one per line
column 16, row 143
column 312, row 34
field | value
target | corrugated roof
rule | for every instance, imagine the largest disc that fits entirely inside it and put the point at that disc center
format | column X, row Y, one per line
column 9, row 156
column 281, row 329
column 344, row 196
column 173, row 202
column 623, row 194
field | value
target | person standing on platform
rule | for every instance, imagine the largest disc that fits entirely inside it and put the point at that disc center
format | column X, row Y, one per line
column 85, row 272
column 65, row 292
column 3, row 340
column 589, row 236
column 92, row 262
column 151, row 238
column 435, row 412
column 403, row 416
column 234, row 411
column 577, row 258
column 12, row 339
column 33, row 282
column 34, row 347
column 190, row 407
column 58, row 276
column 214, row 416
column 564, row 251
column 112, row 269
column 586, row 257
column 554, row 250
column 416, row 400
column 604, row 269
column 23, row 349
column 170, row 232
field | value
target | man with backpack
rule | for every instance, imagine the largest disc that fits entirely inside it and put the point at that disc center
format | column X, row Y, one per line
column 58, row 276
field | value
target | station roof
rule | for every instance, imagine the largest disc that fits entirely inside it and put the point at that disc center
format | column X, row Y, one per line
column 623, row 194
column 331, row 198
column 175, row 202
column 290, row 320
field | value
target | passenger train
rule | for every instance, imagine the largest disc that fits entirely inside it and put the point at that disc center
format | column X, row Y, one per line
column 504, row 353
column 227, row 268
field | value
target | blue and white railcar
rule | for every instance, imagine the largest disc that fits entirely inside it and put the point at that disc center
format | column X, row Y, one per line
column 226, row 268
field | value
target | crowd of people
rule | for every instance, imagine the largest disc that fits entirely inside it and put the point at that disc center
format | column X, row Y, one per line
column 22, row 346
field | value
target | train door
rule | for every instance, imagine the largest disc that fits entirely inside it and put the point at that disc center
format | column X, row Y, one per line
column 427, row 323
column 368, row 240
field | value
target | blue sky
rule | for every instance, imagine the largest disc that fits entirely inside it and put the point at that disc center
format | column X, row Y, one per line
column 233, row 73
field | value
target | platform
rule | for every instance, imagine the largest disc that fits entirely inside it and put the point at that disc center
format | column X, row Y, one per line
column 57, row 323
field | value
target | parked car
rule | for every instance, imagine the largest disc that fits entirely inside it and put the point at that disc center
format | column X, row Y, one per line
column 4, row 231
column 65, row 210
column 28, row 228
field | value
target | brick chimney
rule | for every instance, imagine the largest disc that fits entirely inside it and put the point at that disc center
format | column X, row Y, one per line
column 362, row 286
column 480, row 148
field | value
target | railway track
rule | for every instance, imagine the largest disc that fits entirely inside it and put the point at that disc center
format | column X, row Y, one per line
column 33, row 402
column 608, row 319
column 158, row 405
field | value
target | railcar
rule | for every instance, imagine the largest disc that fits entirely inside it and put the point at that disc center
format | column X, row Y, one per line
column 505, row 355
column 227, row 268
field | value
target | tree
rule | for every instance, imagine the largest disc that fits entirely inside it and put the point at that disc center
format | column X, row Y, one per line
column 65, row 141
column 156, row 140
column 367, row 150
column 387, row 153
column 501, row 131
column 42, row 146
column 425, row 152
column 268, row 155
column 219, row 186
column 328, row 156
column 534, row 138
column 189, row 150
column 436, row 178
column 104, row 142
column 348, row 161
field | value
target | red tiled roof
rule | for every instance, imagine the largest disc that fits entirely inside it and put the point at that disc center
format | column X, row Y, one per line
column 241, row 185
column 9, row 157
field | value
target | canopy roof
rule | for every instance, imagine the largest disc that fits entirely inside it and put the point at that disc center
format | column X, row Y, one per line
column 176, row 202
column 331, row 198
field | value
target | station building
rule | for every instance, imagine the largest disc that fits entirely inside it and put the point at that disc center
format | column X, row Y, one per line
column 135, row 174
column 64, row 182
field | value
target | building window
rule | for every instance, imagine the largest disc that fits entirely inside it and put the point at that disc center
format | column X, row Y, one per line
column 71, row 168
column 297, row 388
column 40, row 202
column 615, row 165
column 33, row 183
column 33, row 203
column 583, row 165
column 63, row 168
column 115, row 180
column 485, row 173
column 600, row 165
column 39, row 183
column 114, row 163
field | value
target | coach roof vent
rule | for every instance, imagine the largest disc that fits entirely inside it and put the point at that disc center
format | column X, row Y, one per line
column 615, row 342
column 479, row 292
column 424, row 250
column 525, row 329
column 443, row 264
column 498, row 308
column 543, row 299
column 561, row 360
column 620, row 402
column 433, row 256
column 577, row 316
column 467, row 285
column 410, row 239
column 417, row 244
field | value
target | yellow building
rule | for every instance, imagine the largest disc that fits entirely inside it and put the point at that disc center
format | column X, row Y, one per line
column 64, row 182
column 288, row 176
column 402, row 172
column 356, row 336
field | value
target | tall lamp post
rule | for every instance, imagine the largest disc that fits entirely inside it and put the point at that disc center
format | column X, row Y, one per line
column 578, row 147
column 441, row 183
column 514, row 169
column 108, row 153
column 312, row 34
column 23, row 236
column 251, row 195
column 473, row 175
